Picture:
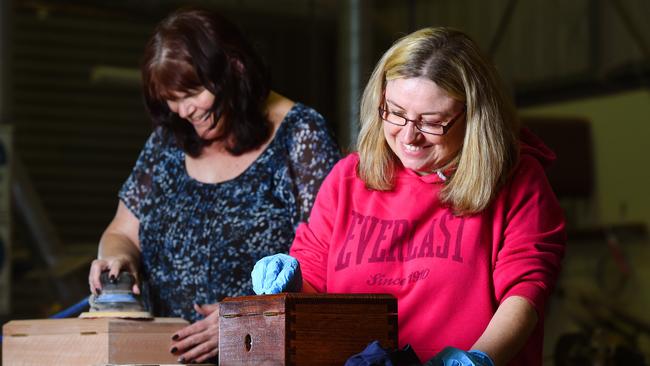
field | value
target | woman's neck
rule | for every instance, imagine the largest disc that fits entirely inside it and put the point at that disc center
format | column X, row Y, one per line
column 216, row 164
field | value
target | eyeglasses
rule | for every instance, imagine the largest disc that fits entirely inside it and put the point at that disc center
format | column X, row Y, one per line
column 433, row 128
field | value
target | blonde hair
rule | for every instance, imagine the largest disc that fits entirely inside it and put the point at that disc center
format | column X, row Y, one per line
column 455, row 63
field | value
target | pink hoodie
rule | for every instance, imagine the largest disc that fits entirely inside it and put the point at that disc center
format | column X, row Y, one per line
column 448, row 273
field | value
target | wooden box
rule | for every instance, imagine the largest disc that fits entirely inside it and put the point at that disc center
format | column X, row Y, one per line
column 303, row 329
column 86, row 342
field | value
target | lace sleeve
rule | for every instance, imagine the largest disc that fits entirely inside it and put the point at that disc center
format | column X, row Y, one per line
column 312, row 153
column 138, row 185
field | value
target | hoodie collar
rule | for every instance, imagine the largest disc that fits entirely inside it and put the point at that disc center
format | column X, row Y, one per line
column 437, row 176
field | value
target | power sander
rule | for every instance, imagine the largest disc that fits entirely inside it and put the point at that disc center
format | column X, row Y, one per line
column 116, row 299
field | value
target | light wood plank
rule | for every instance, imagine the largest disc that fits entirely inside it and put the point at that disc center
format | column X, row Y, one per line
column 85, row 342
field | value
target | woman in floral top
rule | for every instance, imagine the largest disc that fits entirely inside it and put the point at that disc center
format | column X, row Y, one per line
column 228, row 173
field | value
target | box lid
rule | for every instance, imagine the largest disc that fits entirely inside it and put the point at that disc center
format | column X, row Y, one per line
column 269, row 305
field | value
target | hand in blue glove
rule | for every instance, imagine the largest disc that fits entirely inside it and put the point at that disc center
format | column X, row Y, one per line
column 451, row 356
column 276, row 273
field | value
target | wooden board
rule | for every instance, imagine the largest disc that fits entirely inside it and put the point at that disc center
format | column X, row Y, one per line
column 303, row 329
column 87, row 342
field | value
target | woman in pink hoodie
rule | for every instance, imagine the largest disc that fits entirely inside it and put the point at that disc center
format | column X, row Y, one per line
column 445, row 205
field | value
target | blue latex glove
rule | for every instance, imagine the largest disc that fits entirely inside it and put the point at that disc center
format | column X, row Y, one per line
column 276, row 273
column 451, row 356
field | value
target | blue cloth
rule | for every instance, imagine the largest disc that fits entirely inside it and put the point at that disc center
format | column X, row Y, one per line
column 276, row 273
column 199, row 241
column 375, row 355
column 451, row 356
column 372, row 355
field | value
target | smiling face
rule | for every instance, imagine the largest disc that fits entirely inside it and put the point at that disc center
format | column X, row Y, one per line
column 422, row 99
column 194, row 107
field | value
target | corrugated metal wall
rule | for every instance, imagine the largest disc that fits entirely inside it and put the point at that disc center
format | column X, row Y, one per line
column 545, row 41
column 76, row 132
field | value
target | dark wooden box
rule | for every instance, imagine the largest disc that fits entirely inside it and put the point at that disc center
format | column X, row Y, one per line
column 303, row 329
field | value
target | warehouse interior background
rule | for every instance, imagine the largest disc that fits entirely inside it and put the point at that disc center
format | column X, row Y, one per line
column 72, row 123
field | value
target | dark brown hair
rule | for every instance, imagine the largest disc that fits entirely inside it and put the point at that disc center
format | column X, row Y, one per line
column 195, row 48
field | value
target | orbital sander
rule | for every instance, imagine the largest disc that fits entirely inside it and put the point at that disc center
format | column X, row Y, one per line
column 116, row 299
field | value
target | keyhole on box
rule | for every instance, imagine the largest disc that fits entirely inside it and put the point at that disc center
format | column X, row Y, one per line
column 248, row 342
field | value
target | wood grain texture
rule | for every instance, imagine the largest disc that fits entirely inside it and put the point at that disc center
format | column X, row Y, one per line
column 303, row 329
column 116, row 314
column 88, row 341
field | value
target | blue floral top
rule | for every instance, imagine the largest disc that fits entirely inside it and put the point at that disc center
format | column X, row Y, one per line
column 199, row 241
